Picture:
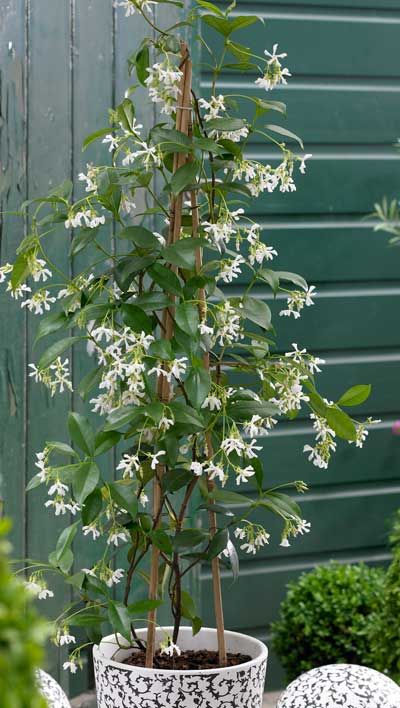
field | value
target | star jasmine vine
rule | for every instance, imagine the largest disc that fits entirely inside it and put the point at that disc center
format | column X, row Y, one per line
column 171, row 336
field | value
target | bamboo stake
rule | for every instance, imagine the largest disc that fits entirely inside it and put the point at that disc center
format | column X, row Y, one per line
column 212, row 517
column 163, row 387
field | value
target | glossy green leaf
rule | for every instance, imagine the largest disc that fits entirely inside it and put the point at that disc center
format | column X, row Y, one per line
column 81, row 432
column 187, row 318
column 256, row 311
column 124, row 494
column 144, row 238
column 166, row 279
column 136, row 319
column 183, row 177
column 56, row 349
column 85, row 481
column 92, row 507
column 355, row 395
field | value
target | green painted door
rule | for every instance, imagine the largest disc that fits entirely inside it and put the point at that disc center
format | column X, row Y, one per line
column 344, row 100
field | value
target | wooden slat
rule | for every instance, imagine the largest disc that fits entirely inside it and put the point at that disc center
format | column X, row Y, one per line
column 12, row 318
column 49, row 163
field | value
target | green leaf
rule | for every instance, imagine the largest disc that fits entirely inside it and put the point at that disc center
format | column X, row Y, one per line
column 105, row 440
column 197, row 385
column 227, row 26
column 174, row 479
column 150, row 302
column 136, row 319
column 270, row 277
column 263, row 106
column 51, row 323
column 53, row 352
column 355, row 395
column 64, row 543
column 211, row 7
column 130, row 266
column 86, row 619
column 89, row 381
column 94, row 136
column 162, row 541
column 82, row 239
column 225, row 124
column 162, row 349
column 124, row 494
column 94, row 311
column 62, row 448
column 183, row 253
column 184, row 176
column 256, row 311
column 126, row 114
column 244, row 410
column 166, row 279
column 85, row 481
column 224, row 496
column 20, row 271
column 81, row 432
column 144, row 238
column 189, row 538
column 122, row 416
column 119, row 619
column 218, row 543
column 286, row 133
column 142, row 63
column 142, row 606
column 281, row 504
column 187, row 318
column 92, row 507
column 341, row 423
column 187, row 416
column 293, row 278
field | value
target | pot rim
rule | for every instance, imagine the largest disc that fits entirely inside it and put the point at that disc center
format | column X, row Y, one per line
column 262, row 656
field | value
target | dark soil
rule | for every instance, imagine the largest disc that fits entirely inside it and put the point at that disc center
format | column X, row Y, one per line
column 187, row 661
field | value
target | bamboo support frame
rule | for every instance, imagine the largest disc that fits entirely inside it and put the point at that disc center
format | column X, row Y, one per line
column 184, row 125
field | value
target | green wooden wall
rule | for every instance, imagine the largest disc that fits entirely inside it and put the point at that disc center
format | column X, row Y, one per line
column 344, row 100
column 61, row 67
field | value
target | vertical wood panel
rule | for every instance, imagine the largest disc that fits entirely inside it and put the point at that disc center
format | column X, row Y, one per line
column 49, row 163
column 12, row 318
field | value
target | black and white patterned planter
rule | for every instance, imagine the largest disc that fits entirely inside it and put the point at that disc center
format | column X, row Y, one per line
column 122, row 686
column 51, row 691
column 344, row 685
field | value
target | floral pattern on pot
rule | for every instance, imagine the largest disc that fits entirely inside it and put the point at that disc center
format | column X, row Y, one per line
column 122, row 686
column 345, row 685
column 51, row 691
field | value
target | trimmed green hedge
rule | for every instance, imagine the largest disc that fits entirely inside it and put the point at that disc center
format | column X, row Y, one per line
column 326, row 617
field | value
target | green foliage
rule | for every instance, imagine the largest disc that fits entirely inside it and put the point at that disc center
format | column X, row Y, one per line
column 326, row 616
column 22, row 634
column 384, row 629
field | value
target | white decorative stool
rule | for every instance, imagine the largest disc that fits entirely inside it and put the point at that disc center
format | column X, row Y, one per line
column 341, row 685
column 51, row 691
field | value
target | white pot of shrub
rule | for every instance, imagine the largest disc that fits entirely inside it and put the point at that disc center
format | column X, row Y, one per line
column 242, row 686
column 170, row 340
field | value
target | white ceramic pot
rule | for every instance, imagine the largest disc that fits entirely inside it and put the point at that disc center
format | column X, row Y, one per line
column 122, row 686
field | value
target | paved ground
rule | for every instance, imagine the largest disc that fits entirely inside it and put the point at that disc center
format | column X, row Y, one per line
column 87, row 700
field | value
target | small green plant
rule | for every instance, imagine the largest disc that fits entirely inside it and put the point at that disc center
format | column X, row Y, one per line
column 385, row 635
column 325, row 617
column 22, row 634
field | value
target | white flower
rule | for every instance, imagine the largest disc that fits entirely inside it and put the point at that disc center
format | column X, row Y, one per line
column 302, row 167
column 37, row 587
column 130, row 6
column 213, row 403
column 297, row 300
column 38, row 269
column 58, row 488
column 228, row 327
column 169, row 648
column 303, row 527
column 197, row 468
column 216, row 472
column 165, row 423
column 4, row 270
column 41, row 299
column 65, row 638
column 154, row 458
column 112, row 141
column 231, row 269
column 116, row 536
column 18, row 292
column 115, row 577
column 178, row 367
column 91, row 528
column 249, row 449
column 243, row 475
column 361, row 435
column 143, row 499
column 214, row 106
column 41, row 463
column 284, row 543
column 129, row 465
column 205, row 329
column 70, row 666
column 274, row 73
column 163, row 83
column 234, row 444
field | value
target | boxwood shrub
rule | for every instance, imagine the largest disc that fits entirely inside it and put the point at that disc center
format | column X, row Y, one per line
column 326, row 616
